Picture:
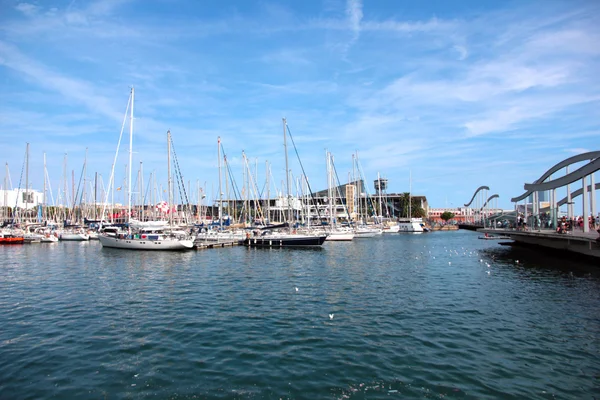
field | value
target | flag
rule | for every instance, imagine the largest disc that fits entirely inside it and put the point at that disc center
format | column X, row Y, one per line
column 119, row 188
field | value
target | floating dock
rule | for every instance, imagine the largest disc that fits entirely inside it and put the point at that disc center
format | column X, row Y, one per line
column 208, row 244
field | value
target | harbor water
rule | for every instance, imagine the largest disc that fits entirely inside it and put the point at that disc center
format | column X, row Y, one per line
column 437, row 315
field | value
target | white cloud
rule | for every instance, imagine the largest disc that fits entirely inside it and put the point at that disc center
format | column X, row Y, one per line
column 355, row 15
column 578, row 150
column 27, row 8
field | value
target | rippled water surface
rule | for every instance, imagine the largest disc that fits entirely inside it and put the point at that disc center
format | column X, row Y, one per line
column 414, row 316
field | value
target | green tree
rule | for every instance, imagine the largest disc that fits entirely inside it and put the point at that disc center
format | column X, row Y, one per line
column 416, row 209
column 447, row 215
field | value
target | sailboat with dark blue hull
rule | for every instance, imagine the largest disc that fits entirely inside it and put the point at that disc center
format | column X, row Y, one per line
column 287, row 238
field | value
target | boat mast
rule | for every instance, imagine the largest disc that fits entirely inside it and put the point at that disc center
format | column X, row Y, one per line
column 220, row 188
column 95, row 195
column 198, row 201
column 83, row 205
column 130, row 159
column 379, row 190
column 409, row 194
column 4, row 206
column 153, row 196
column 44, row 203
column 329, row 191
column 268, row 207
column 287, row 176
column 26, row 181
column 169, row 180
column 141, row 196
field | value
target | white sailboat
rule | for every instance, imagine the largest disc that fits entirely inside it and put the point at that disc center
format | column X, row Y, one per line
column 149, row 237
column 336, row 234
column 410, row 224
column 366, row 231
column 77, row 234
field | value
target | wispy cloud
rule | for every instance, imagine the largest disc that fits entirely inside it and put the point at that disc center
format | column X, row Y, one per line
column 27, row 8
column 77, row 90
column 355, row 15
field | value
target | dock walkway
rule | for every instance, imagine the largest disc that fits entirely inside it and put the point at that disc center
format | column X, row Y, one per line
column 574, row 241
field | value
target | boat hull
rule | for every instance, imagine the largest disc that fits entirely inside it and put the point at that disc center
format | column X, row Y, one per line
column 12, row 240
column 410, row 228
column 49, row 239
column 285, row 241
column 340, row 237
column 145, row 244
column 366, row 234
column 74, row 237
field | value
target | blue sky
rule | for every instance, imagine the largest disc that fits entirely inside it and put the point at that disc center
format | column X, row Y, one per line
column 460, row 93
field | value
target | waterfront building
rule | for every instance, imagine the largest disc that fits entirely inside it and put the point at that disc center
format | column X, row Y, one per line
column 21, row 198
column 461, row 214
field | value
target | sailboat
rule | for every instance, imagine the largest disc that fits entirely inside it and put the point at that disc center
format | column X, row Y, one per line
column 336, row 234
column 155, row 237
column 410, row 224
column 292, row 238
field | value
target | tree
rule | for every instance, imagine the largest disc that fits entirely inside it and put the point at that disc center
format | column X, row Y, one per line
column 446, row 216
column 416, row 211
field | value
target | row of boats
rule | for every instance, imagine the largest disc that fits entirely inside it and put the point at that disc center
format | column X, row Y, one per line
column 159, row 235
column 45, row 235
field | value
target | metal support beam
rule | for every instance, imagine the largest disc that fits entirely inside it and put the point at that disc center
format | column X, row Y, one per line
column 586, row 226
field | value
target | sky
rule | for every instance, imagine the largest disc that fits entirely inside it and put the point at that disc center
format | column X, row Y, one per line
column 439, row 97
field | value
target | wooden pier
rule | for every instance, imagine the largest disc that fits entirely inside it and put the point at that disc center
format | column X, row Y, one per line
column 202, row 244
column 580, row 242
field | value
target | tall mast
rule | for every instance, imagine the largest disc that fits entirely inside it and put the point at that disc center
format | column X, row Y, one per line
column 409, row 193
column 130, row 164
column 329, row 191
column 357, row 210
column 65, row 186
column 44, row 203
column 220, row 189
column 141, row 181
column 5, row 203
column 84, row 194
column 153, row 195
column 169, row 180
column 379, row 190
column 287, row 171
column 268, row 207
column 26, row 181
column 96, row 195
column 198, row 201
column 73, row 204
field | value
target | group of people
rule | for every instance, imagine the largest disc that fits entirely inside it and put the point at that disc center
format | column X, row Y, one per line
column 565, row 225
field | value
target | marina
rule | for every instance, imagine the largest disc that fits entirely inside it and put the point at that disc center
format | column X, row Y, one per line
column 299, row 200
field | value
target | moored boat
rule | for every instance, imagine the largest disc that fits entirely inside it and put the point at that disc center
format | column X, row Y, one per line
column 147, row 239
column 11, row 237
column 340, row 236
column 276, row 239
column 411, row 225
column 74, row 235
column 367, row 232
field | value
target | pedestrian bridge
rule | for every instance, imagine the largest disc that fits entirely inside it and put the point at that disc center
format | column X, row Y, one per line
column 549, row 182
column 529, row 205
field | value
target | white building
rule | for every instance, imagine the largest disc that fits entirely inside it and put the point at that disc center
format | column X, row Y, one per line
column 17, row 197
